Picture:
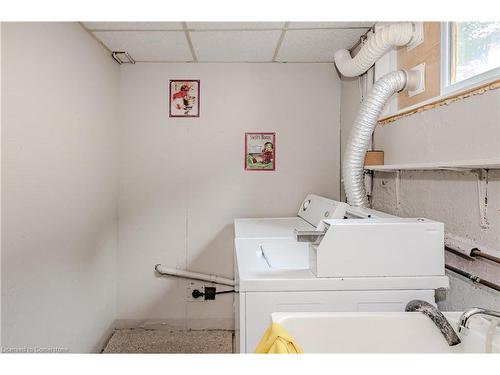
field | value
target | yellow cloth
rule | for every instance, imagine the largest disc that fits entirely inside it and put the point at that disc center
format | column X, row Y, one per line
column 277, row 340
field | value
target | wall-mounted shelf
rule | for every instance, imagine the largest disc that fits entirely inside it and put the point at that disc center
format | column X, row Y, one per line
column 479, row 167
column 452, row 165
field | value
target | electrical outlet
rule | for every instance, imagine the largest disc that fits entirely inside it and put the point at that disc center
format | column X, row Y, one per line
column 210, row 293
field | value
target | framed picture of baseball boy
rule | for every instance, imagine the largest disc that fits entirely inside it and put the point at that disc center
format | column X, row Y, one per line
column 184, row 98
column 260, row 151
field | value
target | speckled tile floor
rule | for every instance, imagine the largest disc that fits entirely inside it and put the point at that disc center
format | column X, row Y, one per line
column 140, row 340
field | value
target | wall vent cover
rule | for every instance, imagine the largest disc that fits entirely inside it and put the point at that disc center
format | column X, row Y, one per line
column 122, row 57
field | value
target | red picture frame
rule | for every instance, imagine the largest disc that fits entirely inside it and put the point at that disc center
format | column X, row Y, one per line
column 260, row 151
column 184, row 98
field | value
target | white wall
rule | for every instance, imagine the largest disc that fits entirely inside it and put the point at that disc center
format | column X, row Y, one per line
column 350, row 100
column 464, row 130
column 59, row 183
column 467, row 129
column 182, row 180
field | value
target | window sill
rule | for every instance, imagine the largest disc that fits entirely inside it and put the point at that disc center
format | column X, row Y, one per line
column 480, row 88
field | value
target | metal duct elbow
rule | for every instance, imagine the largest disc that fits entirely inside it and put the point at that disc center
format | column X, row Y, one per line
column 361, row 133
column 399, row 34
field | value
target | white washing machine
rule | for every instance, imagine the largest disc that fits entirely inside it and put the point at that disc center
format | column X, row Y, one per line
column 273, row 270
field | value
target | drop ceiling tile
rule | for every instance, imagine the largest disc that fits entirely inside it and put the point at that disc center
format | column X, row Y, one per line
column 133, row 25
column 234, row 25
column 316, row 45
column 331, row 25
column 235, row 46
column 148, row 45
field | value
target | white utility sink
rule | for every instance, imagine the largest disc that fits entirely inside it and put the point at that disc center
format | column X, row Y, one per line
column 384, row 332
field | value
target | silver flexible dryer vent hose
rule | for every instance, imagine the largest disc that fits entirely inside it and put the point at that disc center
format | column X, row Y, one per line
column 361, row 133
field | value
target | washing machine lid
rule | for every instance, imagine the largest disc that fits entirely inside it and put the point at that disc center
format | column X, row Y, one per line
column 274, row 264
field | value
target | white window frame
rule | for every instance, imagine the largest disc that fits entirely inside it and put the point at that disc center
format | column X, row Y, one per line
column 446, row 87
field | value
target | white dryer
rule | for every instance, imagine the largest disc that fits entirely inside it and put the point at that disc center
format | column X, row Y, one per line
column 273, row 270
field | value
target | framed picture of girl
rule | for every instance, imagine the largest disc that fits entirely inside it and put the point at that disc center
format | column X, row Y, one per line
column 260, row 151
column 184, row 98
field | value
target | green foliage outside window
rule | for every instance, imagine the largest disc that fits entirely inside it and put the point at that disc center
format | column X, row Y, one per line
column 477, row 48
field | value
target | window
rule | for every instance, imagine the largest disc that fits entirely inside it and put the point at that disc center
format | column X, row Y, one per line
column 470, row 54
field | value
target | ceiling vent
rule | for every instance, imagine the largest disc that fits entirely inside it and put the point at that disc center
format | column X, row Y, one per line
column 122, row 57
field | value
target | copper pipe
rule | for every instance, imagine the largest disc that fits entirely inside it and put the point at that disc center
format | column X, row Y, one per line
column 479, row 253
column 473, row 278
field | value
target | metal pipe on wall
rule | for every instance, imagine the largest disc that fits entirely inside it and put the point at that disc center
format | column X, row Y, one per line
column 164, row 271
column 468, row 249
column 478, row 253
column 475, row 279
